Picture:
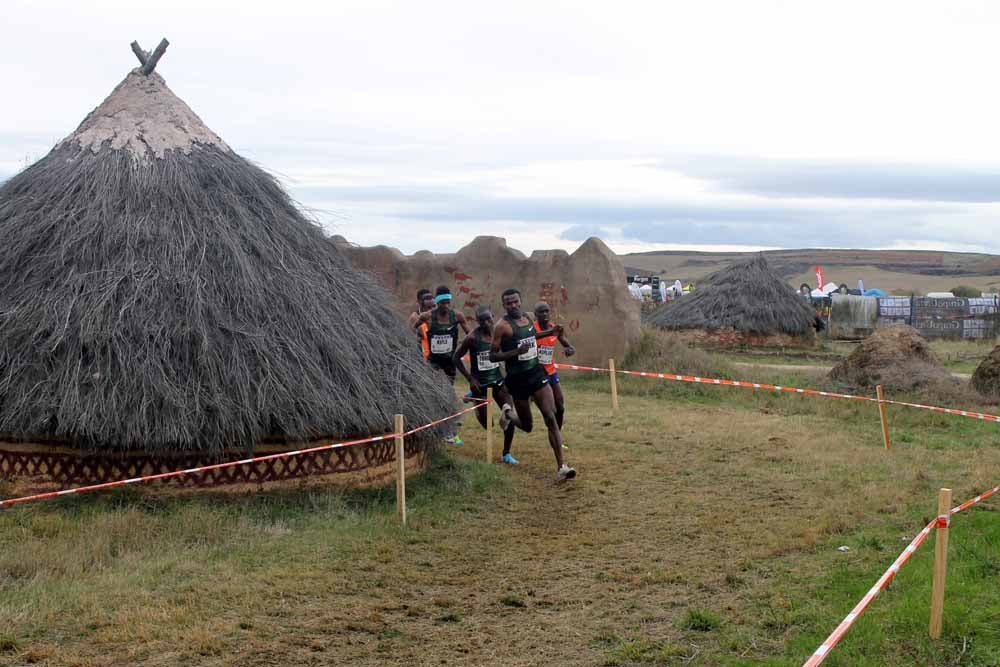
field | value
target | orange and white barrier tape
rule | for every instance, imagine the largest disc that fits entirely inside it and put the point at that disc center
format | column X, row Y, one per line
column 230, row 464
column 772, row 387
column 938, row 522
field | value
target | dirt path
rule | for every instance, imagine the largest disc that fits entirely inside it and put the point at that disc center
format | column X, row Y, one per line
column 662, row 521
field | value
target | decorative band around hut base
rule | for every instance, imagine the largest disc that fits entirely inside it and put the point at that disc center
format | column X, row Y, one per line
column 70, row 469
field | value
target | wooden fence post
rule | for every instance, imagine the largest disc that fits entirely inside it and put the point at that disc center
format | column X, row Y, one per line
column 397, row 427
column 940, row 564
column 614, row 385
column 882, row 414
column 489, row 424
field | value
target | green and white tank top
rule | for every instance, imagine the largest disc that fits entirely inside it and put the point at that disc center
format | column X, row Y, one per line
column 485, row 371
column 442, row 337
column 523, row 333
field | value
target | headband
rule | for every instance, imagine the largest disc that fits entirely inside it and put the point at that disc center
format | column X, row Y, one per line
column 442, row 297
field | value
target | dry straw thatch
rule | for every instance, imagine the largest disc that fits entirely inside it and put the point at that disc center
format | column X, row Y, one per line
column 986, row 379
column 158, row 292
column 746, row 296
column 897, row 357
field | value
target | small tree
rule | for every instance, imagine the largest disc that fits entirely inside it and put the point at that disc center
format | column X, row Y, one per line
column 966, row 291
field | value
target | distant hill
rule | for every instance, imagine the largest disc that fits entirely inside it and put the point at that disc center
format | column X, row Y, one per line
column 900, row 271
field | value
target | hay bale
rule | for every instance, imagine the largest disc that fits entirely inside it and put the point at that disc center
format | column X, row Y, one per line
column 986, row 379
column 897, row 358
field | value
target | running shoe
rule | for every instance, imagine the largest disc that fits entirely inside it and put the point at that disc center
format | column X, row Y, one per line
column 508, row 459
column 564, row 445
column 467, row 398
column 565, row 472
column 457, row 441
column 505, row 416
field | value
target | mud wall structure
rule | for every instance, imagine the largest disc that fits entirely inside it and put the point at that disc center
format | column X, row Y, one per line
column 586, row 290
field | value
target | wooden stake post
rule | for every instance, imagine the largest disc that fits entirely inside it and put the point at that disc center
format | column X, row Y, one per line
column 882, row 414
column 940, row 564
column 397, row 427
column 489, row 424
column 614, row 385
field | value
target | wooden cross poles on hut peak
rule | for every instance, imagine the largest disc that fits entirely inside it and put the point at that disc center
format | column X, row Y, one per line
column 149, row 60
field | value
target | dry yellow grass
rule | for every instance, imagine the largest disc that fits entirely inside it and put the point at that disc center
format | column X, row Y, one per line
column 678, row 507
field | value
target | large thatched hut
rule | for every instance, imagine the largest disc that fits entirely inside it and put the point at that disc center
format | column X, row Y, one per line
column 162, row 300
column 745, row 303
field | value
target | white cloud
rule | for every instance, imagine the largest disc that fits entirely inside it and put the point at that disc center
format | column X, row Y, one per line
column 561, row 103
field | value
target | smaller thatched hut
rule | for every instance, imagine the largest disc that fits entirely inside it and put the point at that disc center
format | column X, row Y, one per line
column 745, row 303
column 898, row 358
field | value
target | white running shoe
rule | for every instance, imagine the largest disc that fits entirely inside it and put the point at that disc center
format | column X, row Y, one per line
column 505, row 416
column 565, row 472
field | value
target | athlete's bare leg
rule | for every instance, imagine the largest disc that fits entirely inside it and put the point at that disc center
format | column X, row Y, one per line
column 557, row 394
column 547, row 406
column 500, row 397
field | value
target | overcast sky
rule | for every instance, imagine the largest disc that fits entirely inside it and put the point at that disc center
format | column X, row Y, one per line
column 696, row 125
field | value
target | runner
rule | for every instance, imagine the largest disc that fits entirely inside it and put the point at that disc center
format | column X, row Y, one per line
column 514, row 344
column 425, row 302
column 442, row 334
column 486, row 373
column 546, row 354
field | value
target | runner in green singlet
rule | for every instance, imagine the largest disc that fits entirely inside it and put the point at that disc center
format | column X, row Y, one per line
column 484, row 373
column 442, row 337
column 514, row 343
column 442, row 331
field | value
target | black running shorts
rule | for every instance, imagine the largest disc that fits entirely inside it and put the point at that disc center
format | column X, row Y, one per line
column 523, row 386
column 444, row 364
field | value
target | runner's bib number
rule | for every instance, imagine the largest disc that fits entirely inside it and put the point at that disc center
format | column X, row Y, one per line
column 532, row 351
column 484, row 363
column 441, row 344
column 545, row 353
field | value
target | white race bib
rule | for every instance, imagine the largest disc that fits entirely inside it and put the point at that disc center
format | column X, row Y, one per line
column 484, row 363
column 441, row 344
column 545, row 353
column 532, row 351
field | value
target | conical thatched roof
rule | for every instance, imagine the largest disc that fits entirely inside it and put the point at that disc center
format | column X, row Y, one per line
column 746, row 296
column 159, row 292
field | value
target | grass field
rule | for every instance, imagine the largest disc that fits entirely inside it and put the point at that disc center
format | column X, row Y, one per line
column 958, row 356
column 703, row 530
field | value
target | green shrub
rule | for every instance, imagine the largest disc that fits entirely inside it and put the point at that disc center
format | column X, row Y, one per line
column 701, row 620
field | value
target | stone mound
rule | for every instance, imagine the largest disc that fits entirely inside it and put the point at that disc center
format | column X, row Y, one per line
column 897, row 358
column 986, row 379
